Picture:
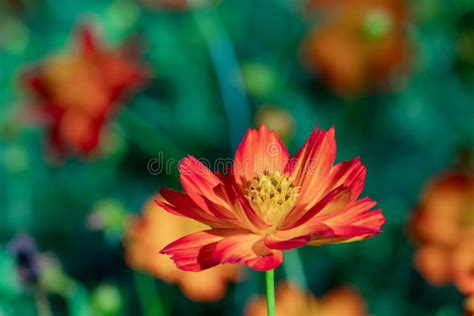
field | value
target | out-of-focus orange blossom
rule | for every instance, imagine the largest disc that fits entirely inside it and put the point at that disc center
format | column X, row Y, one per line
column 75, row 93
column 146, row 236
column 293, row 301
column 359, row 45
column 443, row 225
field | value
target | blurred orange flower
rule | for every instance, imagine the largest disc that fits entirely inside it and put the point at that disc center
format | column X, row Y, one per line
column 77, row 92
column 147, row 235
column 360, row 44
column 444, row 227
column 293, row 301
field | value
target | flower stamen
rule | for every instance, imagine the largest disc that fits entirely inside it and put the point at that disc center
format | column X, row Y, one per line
column 272, row 195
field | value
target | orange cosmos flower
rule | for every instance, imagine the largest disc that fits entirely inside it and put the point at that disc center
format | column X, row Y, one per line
column 76, row 93
column 146, row 235
column 293, row 301
column 360, row 44
column 444, row 227
column 268, row 202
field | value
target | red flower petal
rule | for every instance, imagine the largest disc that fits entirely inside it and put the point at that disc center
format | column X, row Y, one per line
column 350, row 174
column 354, row 223
column 87, row 40
column 180, row 204
column 260, row 150
column 194, row 252
column 335, row 200
column 34, row 81
column 332, row 223
column 307, row 227
column 248, row 249
column 199, row 183
column 241, row 207
column 312, row 164
column 221, row 199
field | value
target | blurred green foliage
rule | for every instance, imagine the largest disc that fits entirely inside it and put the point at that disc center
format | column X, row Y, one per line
column 213, row 68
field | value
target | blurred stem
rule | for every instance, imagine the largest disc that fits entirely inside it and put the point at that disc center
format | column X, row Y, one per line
column 148, row 295
column 42, row 303
column 227, row 70
column 270, row 285
column 294, row 270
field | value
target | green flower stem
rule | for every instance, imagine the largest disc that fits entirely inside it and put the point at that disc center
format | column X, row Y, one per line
column 270, row 285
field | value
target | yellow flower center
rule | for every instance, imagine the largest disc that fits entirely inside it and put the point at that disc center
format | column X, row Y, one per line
column 272, row 195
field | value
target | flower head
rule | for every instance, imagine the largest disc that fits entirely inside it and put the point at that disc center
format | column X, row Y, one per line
column 77, row 92
column 268, row 202
column 444, row 228
column 146, row 235
column 360, row 44
column 293, row 301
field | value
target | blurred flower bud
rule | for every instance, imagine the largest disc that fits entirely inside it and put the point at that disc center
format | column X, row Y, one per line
column 276, row 119
column 23, row 247
column 378, row 23
column 107, row 300
column 109, row 216
column 53, row 278
column 123, row 14
column 259, row 79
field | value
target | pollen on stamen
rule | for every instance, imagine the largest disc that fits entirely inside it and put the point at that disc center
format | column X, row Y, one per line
column 272, row 195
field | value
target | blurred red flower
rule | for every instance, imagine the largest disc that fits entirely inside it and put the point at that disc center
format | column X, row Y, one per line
column 293, row 301
column 145, row 236
column 444, row 228
column 359, row 45
column 268, row 202
column 77, row 92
